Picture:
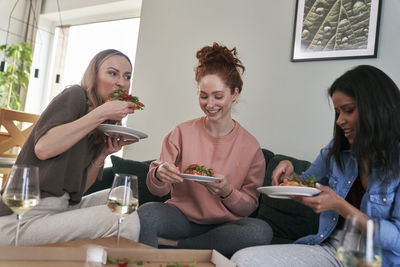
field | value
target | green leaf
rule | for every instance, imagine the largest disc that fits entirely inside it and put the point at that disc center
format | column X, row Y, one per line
column 16, row 76
column 335, row 25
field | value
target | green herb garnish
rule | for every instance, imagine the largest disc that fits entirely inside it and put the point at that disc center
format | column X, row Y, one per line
column 122, row 262
column 176, row 264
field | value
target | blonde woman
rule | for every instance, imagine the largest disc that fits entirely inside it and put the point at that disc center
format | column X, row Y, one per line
column 70, row 153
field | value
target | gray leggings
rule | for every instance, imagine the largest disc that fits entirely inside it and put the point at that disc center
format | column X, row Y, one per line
column 166, row 221
column 289, row 255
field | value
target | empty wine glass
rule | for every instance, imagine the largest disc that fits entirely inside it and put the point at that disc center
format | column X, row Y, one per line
column 359, row 247
column 21, row 191
column 123, row 197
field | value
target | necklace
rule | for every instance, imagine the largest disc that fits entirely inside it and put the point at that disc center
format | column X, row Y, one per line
column 217, row 131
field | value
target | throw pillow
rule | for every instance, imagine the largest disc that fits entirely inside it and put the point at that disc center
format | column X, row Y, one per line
column 267, row 156
column 106, row 181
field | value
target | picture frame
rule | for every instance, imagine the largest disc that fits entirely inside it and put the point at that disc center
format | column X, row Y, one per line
column 335, row 29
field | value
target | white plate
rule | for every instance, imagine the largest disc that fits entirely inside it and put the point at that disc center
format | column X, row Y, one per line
column 200, row 178
column 286, row 191
column 116, row 130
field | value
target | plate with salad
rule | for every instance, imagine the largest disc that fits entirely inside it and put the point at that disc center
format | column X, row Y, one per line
column 199, row 173
column 294, row 186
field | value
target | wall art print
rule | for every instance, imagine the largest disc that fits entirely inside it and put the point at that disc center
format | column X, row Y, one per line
column 335, row 29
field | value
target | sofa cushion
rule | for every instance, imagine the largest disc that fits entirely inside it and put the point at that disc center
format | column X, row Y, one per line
column 267, row 155
column 289, row 219
column 140, row 169
column 104, row 183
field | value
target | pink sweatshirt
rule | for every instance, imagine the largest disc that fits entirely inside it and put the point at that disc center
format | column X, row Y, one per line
column 237, row 156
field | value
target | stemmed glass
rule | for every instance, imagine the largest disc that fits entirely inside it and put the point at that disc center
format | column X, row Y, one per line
column 21, row 192
column 358, row 247
column 123, row 197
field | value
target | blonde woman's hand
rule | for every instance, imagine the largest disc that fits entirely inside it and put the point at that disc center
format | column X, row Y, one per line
column 114, row 144
column 168, row 173
column 282, row 172
column 115, row 110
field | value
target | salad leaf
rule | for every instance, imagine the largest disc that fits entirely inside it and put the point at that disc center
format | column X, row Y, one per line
column 309, row 181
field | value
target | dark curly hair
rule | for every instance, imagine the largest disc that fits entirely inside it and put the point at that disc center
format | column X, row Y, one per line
column 378, row 129
column 220, row 60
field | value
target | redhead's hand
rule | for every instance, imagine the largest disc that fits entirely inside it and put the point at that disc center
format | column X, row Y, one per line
column 168, row 173
column 281, row 172
column 220, row 188
column 115, row 110
column 326, row 200
column 114, row 144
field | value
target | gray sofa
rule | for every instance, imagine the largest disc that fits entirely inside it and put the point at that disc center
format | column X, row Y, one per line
column 288, row 219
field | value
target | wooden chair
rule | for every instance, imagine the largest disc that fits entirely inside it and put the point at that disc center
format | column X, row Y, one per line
column 15, row 127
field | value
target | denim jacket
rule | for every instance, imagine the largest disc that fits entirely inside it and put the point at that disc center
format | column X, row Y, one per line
column 381, row 200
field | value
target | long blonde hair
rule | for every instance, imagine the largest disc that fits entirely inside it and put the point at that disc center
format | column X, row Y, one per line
column 89, row 77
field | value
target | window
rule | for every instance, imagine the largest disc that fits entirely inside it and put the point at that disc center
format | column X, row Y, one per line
column 84, row 41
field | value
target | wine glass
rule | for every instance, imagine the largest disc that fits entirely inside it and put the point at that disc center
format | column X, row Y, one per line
column 21, row 192
column 358, row 247
column 123, row 197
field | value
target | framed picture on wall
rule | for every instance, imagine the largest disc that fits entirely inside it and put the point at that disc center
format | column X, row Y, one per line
column 335, row 29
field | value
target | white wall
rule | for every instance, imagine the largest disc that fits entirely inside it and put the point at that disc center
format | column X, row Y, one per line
column 14, row 24
column 283, row 104
column 38, row 92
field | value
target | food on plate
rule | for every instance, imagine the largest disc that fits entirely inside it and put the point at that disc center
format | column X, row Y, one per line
column 123, row 95
column 196, row 169
column 296, row 181
column 122, row 262
column 125, row 262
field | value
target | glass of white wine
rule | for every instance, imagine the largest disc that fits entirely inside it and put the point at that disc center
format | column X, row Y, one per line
column 21, row 191
column 123, row 197
column 359, row 247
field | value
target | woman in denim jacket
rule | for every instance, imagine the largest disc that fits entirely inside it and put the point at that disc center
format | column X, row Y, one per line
column 358, row 174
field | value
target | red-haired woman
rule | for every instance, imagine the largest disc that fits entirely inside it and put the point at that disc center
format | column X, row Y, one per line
column 213, row 215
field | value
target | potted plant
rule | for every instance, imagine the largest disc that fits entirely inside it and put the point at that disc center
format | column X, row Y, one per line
column 14, row 78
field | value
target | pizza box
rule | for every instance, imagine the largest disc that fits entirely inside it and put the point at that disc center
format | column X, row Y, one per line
column 96, row 256
column 32, row 254
column 162, row 257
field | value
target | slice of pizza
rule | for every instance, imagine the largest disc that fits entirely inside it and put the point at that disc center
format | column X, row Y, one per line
column 196, row 169
column 123, row 95
column 296, row 181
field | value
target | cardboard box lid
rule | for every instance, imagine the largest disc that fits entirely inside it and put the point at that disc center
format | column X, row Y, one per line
column 40, row 256
column 183, row 256
column 88, row 254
